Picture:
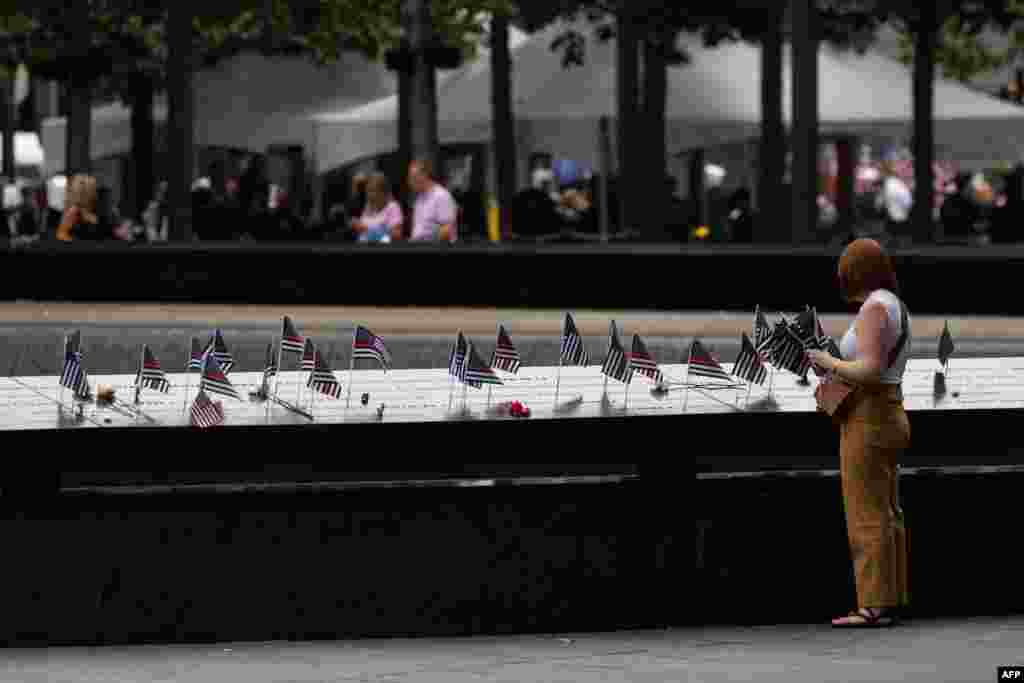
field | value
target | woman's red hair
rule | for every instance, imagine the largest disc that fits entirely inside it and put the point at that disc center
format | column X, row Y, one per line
column 865, row 267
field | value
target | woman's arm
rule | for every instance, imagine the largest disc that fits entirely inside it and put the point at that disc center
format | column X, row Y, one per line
column 67, row 222
column 870, row 326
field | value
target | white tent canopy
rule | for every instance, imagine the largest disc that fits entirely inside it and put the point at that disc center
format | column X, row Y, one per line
column 248, row 102
column 715, row 99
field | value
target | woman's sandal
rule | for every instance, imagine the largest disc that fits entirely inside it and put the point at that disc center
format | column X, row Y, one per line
column 866, row 617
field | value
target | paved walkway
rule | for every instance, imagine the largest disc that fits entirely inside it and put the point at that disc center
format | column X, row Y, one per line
column 916, row 652
column 475, row 321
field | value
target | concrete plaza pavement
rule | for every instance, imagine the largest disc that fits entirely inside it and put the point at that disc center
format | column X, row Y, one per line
column 915, row 652
column 444, row 321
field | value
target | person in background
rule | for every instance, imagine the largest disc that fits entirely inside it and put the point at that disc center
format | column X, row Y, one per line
column 381, row 220
column 897, row 200
column 741, row 219
column 434, row 211
column 155, row 218
column 355, row 204
column 960, row 213
column 79, row 219
column 25, row 223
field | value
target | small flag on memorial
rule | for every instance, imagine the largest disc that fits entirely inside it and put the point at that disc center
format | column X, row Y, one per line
column 643, row 362
column 73, row 374
column 946, row 346
column 366, row 344
column 475, row 372
column 748, row 364
column 804, row 328
column 457, row 356
column 505, row 356
column 214, row 380
column 291, row 340
column 762, row 331
column 308, row 356
column 702, row 364
column 220, row 352
column 616, row 363
column 195, row 358
column 206, row 413
column 788, row 351
column 151, row 375
column 572, row 351
column 322, row 377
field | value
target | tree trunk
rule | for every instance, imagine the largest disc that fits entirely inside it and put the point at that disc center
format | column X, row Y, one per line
column 924, row 132
column 78, row 130
column 772, row 157
column 655, row 101
column 504, row 120
column 805, row 120
column 404, row 155
column 424, row 86
column 627, row 72
column 143, row 138
column 10, row 124
column 181, row 159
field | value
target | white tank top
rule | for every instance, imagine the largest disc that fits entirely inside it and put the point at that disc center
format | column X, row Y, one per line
column 848, row 345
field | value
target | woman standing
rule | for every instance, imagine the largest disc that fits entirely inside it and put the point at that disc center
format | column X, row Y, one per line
column 382, row 218
column 863, row 394
column 79, row 220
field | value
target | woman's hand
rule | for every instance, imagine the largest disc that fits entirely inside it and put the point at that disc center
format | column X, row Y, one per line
column 822, row 359
column 359, row 226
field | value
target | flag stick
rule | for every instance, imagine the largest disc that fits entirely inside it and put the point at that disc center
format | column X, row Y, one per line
column 451, row 389
column 188, row 373
column 60, row 372
column 686, row 379
column 489, row 387
column 351, row 364
column 138, row 377
column 750, row 385
column 280, row 352
column 465, row 397
column 558, row 377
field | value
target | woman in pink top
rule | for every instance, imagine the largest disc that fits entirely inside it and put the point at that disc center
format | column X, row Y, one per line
column 382, row 218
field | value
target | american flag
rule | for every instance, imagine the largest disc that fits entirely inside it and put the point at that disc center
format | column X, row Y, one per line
column 195, row 358
column 573, row 352
column 702, row 364
column 788, row 351
column 291, row 340
column 322, row 378
column 220, row 351
column 457, row 356
column 762, row 331
column 308, row 356
column 73, row 374
column 643, row 362
column 206, row 413
column 505, row 356
column 805, row 327
column 366, row 344
column 946, row 346
column 151, row 375
column 475, row 372
column 616, row 363
column 748, row 364
column 214, row 380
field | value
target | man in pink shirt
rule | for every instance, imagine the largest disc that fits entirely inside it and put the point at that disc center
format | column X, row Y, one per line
column 434, row 212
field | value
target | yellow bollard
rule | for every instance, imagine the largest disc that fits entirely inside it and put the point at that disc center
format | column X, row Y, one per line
column 493, row 221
